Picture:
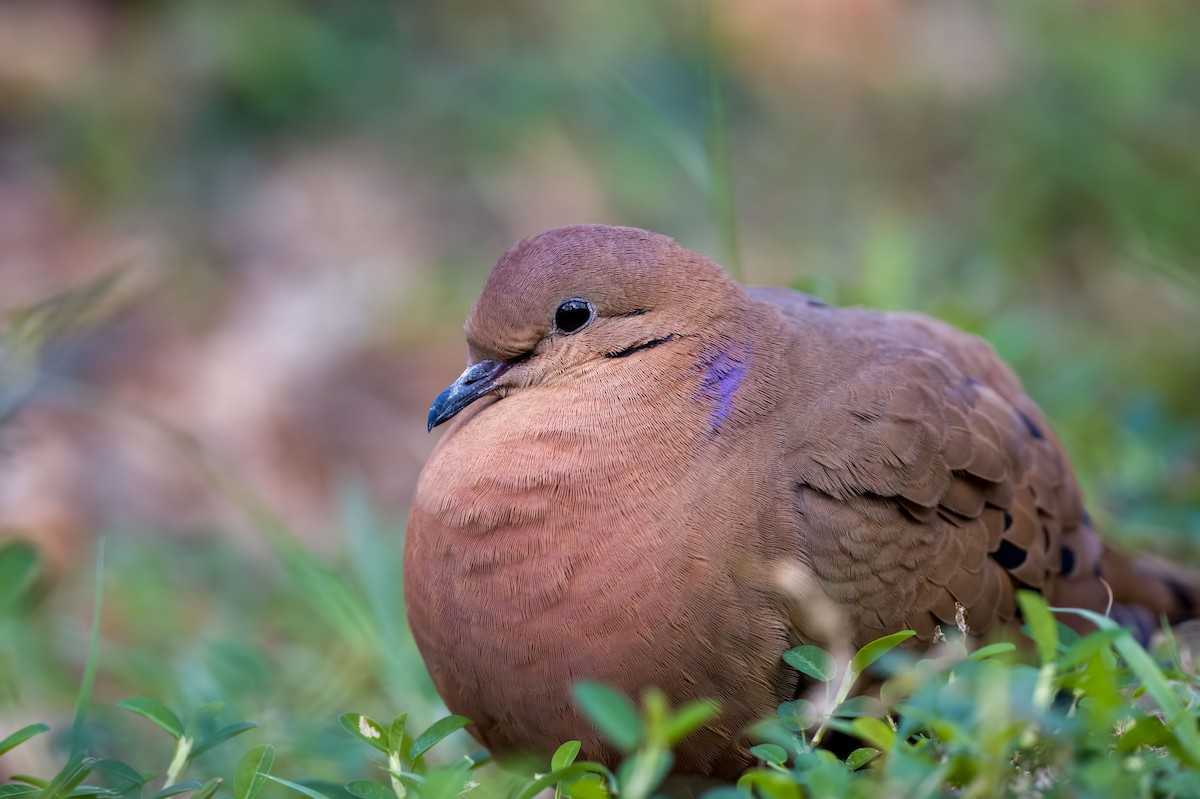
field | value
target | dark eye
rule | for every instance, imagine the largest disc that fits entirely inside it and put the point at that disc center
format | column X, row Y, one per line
column 573, row 315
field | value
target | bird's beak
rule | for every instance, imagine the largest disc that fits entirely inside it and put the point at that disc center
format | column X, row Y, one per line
column 478, row 379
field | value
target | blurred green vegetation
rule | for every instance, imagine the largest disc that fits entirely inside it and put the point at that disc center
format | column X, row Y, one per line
column 1026, row 170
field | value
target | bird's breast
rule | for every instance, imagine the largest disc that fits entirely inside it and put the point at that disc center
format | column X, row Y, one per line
column 520, row 502
column 558, row 538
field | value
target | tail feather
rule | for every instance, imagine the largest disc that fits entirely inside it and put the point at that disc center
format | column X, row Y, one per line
column 1145, row 589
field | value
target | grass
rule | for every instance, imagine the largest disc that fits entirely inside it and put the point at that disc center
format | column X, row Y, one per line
column 280, row 711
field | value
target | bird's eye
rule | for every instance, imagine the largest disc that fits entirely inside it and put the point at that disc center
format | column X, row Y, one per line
column 573, row 315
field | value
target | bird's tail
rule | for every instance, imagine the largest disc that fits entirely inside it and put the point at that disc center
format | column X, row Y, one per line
column 1145, row 589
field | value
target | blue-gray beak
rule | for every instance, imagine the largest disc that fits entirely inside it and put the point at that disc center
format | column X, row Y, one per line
column 479, row 379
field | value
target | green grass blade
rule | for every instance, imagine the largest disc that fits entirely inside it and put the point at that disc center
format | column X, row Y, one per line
column 89, row 670
column 21, row 736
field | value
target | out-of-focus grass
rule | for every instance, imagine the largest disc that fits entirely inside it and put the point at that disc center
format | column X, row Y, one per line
column 287, row 638
column 1025, row 170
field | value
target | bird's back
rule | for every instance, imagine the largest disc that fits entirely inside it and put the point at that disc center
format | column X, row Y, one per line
column 928, row 486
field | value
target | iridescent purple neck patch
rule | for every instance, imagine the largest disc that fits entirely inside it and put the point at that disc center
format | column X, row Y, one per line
column 723, row 373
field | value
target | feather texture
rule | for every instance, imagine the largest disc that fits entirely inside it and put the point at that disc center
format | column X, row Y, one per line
column 615, row 503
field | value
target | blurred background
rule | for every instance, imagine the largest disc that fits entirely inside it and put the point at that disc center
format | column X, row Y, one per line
column 318, row 189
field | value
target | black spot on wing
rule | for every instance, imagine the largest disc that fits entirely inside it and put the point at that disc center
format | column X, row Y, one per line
column 1182, row 597
column 1068, row 561
column 1009, row 555
column 1031, row 426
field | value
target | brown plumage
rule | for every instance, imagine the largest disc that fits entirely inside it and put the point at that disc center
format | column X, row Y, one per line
column 624, row 502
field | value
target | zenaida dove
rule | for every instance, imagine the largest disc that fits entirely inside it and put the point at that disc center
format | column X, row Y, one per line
column 643, row 451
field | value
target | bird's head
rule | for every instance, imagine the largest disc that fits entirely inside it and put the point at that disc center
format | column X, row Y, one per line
column 577, row 297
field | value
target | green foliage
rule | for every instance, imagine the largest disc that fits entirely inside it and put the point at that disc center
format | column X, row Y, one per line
column 22, row 735
column 982, row 723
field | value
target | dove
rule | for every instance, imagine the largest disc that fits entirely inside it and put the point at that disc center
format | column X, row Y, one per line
column 652, row 476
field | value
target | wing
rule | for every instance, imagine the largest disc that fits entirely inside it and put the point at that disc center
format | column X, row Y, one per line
column 925, row 482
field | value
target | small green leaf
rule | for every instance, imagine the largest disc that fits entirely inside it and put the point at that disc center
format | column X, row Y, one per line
column 1149, row 731
column 992, row 650
column 437, row 731
column 1089, row 646
column 21, row 736
column 691, row 718
column 812, row 661
column 874, row 732
column 857, row 706
column 295, row 786
column 771, row 753
column 655, row 710
column 861, row 757
column 640, row 774
column 12, row 790
column 589, row 786
column 365, row 729
column 35, row 781
column 610, row 712
column 565, row 755
column 539, row 784
column 178, row 788
column 369, row 789
column 1039, row 621
column 725, row 792
column 208, row 789
column 398, row 742
column 221, row 736
column 252, row 771
column 121, row 770
column 798, row 714
column 877, row 649
column 771, row 784
column 156, row 711
column 68, row 779
column 445, row 783
column 204, row 718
